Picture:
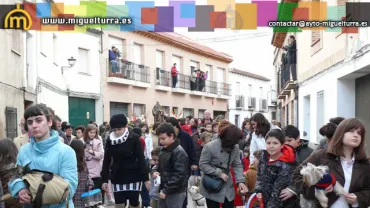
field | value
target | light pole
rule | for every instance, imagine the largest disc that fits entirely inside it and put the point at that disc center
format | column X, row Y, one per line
column 71, row 62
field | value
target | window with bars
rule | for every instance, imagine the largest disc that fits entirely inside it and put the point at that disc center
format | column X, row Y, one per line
column 188, row 112
column 201, row 113
column 11, row 122
column 139, row 110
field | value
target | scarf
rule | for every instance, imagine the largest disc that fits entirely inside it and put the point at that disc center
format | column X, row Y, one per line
column 118, row 140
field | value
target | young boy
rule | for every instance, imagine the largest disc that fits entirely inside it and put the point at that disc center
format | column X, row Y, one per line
column 154, row 189
column 303, row 151
column 172, row 168
column 208, row 126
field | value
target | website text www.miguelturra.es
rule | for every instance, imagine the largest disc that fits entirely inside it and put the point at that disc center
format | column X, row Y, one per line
column 86, row 21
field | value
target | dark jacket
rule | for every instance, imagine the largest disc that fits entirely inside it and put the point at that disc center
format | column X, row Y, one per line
column 322, row 145
column 303, row 151
column 173, row 163
column 276, row 176
column 360, row 182
column 128, row 165
column 188, row 145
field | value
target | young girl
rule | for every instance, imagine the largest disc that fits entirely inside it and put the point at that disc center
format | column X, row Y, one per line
column 94, row 154
column 148, row 141
column 8, row 159
column 274, row 171
column 347, row 160
column 84, row 181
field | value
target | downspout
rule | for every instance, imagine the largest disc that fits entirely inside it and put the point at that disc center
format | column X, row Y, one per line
column 101, row 73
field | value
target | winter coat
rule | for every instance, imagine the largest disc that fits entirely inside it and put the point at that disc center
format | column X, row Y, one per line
column 94, row 162
column 84, row 183
column 273, row 177
column 173, row 163
column 360, row 182
column 48, row 155
column 187, row 143
column 303, row 151
column 251, row 178
column 213, row 161
column 6, row 174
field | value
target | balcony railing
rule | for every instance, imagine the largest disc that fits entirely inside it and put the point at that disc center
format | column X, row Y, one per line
column 211, row 87
column 239, row 101
column 163, row 77
column 224, row 89
column 183, row 81
column 263, row 104
column 130, row 71
column 251, row 102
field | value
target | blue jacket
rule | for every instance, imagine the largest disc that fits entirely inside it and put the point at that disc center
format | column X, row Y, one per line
column 48, row 155
column 112, row 55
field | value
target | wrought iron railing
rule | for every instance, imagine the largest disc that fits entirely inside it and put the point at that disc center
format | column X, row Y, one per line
column 224, row 89
column 211, row 87
column 129, row 70
column 239, row 101
column 183, row 81
column 163, row 77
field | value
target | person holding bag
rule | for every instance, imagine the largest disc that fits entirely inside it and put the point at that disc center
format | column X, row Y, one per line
column 217, row 156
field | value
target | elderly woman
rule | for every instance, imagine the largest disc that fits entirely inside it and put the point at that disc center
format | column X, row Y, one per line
column 214, row 161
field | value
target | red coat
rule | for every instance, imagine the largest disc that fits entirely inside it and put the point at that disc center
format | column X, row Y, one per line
column 174, row 71
column 142, row 140
column 238, row 201
column 246, row 164
column 187, row 128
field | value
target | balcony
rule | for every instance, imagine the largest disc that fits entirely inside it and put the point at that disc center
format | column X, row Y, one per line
column 251, row 103
column 239, row 101
column 223, row 91
column 263, row 105
column 183, row 84
column 128, row 73
column 163, row 80
column 287, row 80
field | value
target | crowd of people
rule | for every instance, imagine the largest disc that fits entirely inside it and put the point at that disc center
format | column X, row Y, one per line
column 156, row 162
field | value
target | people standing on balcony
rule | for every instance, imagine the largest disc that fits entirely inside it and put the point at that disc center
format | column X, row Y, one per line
column 174, row 75
column 202, row 80
column 113, row 59
column 193, row 80
column 291, row 50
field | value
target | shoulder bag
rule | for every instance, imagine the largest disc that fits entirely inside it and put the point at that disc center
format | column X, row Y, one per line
column 213, row 183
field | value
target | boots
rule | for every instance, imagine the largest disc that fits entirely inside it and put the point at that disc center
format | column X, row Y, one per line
column 120, row 206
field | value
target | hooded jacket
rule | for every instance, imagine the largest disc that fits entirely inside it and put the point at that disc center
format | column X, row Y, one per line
column 274, row 176
column 303, row 151
column 48, row 155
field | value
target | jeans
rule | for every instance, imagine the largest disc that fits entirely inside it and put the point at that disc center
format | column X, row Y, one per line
column 213, row 204
column 172, row 201
column 114, row 66
column 174, row 81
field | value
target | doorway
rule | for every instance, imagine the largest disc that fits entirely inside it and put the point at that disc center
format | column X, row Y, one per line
column 307, row 116
column 362, row 106
column 81, row 111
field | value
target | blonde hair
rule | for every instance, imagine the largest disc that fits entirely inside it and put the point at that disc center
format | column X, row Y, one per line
column 205, row 135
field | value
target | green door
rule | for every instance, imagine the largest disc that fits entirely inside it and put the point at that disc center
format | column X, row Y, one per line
column 81, row 111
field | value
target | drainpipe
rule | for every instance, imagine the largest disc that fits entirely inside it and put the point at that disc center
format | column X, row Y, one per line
column 101, row 73
column 296, row 103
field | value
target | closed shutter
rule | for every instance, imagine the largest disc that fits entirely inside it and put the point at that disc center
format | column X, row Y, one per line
column 83, row 60
column 220, row 75
column 159, row 59
column 11, row 122
column 118, row 108
column 177, row 60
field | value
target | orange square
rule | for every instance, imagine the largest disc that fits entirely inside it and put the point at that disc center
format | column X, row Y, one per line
column 217, row 20
column 57, row 9
column 301, row 14
column 149, row 16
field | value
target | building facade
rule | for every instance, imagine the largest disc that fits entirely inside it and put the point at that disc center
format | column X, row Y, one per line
column 144, row 76
column 251, row 93
column 70, row 88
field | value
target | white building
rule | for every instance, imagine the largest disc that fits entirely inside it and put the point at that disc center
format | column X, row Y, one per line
column 72, row 92
column 251, row 93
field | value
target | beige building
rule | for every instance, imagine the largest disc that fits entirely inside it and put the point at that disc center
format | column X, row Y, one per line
column 15, row 91
column 144, row 76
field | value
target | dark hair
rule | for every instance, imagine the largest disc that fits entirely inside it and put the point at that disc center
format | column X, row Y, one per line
column 91, row 122
column 257, row 154
column 142, row 124
column 105, row 123
column 245, row 123
column 137, row 131
column 277, row 133
column 174, row 122
column 291, row 131
column 263, row 125
column 182, row 121
column 80, row 127
column 328, row 130
column 166, row 128
column 196, row 122
column 79, row 148
column 58, row 118
column 336, row 144
column 37, row 110
column 64, row 125
column 292, row 37
column 336, row 120
column 155, row 125
column 52, row 117
column 230, row 136
column 214, row 124
column 8, row 152
column 90, row 127
column 156, row 151
column 189, row 117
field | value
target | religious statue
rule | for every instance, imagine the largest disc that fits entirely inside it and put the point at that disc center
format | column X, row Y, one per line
column 158, row 113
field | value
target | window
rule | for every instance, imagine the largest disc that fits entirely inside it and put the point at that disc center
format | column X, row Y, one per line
column 118, row 43
column 177, row 60
column 139, row 110
column 201, row 113
column 250, row 90
column 320, row 113
column 166, row 110
column 118, row 108
column 159, row 59
column 11, row 122
column 194, row 65
column 16, row 44
column 237, row 86
column 43, row 42
column 55, row 49
column 137, row 59
column 220, row 75
column 208, row 69
column 261, row 92
column 236, row 120
column 83, row 60
column 188, row 112
column 175, row 111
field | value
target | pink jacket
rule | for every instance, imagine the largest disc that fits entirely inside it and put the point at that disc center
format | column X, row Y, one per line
column 94, row 162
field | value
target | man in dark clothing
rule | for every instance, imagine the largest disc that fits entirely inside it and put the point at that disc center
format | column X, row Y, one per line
column 303, row 151
column 188, row 145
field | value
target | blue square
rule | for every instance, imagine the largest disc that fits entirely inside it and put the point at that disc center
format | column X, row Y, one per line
column 43, row 10
column 187, row 10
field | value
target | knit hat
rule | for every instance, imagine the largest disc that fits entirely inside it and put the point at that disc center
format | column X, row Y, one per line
column 118, row 121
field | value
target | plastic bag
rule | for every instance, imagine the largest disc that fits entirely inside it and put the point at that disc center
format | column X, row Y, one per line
column 109, row 196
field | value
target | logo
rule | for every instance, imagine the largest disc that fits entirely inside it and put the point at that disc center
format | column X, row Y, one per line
column 25, row 19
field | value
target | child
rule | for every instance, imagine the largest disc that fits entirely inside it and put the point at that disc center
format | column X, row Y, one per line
column 8, row 159
column 80, row 132
column 84, row 181
column 251, row 175
column 245, row 160
column 154, row 190
column 208, row 126
column 94, row 154
column 205, row 138
column 274, row 171
column 303, row 151
column 173, row 165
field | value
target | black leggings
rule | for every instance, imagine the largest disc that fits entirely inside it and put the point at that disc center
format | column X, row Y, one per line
column 98, row 185
column 213, row 204
column 122, row 197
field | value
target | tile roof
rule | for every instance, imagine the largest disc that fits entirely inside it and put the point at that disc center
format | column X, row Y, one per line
column 248, row 74
column 184, row 42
